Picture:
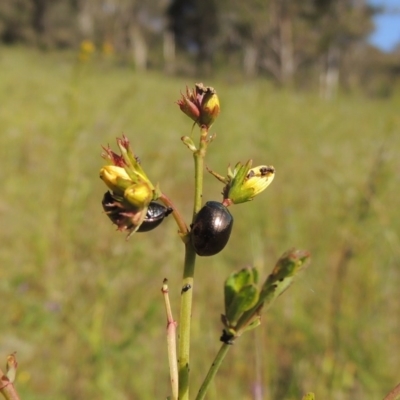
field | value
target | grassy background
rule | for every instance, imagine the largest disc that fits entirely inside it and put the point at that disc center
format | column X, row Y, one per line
column 82, row 307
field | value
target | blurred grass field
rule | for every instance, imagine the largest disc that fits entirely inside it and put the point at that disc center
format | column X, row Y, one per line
column 82, row 307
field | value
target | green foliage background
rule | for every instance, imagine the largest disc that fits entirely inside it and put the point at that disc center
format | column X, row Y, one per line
column 83, row 308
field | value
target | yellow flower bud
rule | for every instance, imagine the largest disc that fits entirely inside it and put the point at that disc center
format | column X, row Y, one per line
column 115, row 178
column 210, row 107
column 244, row 183
column 258, row 179
column 200, row 104
column 139, row 195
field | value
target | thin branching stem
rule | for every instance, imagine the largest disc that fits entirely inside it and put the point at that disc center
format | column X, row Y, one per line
column 394, row 394
column 183, row 229
column 171, row 342
column 188, row 275
column 185, row 320
column 213, row 370
column 7, row 388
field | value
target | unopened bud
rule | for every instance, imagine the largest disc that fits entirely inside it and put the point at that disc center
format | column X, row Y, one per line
column 201, row 105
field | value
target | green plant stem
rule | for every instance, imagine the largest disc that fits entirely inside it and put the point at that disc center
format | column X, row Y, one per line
column 188, row 275
column 185, row 320
column 213, row 370
column 198, row 156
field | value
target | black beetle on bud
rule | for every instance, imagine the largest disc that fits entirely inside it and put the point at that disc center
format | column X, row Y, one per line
column 154, row 216
column 211, row 229
column 122, row 216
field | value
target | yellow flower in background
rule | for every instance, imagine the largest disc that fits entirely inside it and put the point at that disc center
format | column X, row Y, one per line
column 86, row 49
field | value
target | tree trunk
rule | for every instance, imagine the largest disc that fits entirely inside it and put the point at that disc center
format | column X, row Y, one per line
column 138, row 46
column 38, row 17
column 85, row 20
column 286, row 49
column 169, row 52
column 250, row 60
column 329, row 81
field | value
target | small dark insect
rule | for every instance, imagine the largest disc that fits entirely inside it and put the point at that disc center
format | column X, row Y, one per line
column 227, row 338
column 154, row 216
column 265, row 170
column 185, row 288
column 211, row 229
column 250, row 174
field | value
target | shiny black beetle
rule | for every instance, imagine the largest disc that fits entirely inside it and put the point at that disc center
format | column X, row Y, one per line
column 154, row 216
column 119, row 215
column 211, row 229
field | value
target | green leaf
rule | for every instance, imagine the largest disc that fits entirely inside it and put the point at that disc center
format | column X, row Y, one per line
column 288, row 266
column 252, row 325
column 282, row 276
column 245, row 299
column 236, row 192
column 189, row 143
column 236, row 281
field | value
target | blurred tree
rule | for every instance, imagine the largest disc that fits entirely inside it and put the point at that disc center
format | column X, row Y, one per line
column 341, row 28
column 270, row 34
column 309, row 43
column 38, row 18
column 15, row 21
column 49, row 23
column 245, row 26
column 297, row 41
column 133, row 27
column 380, row 76
column 194, row 24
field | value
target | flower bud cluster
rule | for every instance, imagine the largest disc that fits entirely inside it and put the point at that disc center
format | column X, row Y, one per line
column 201, row 105
column 131, row 191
